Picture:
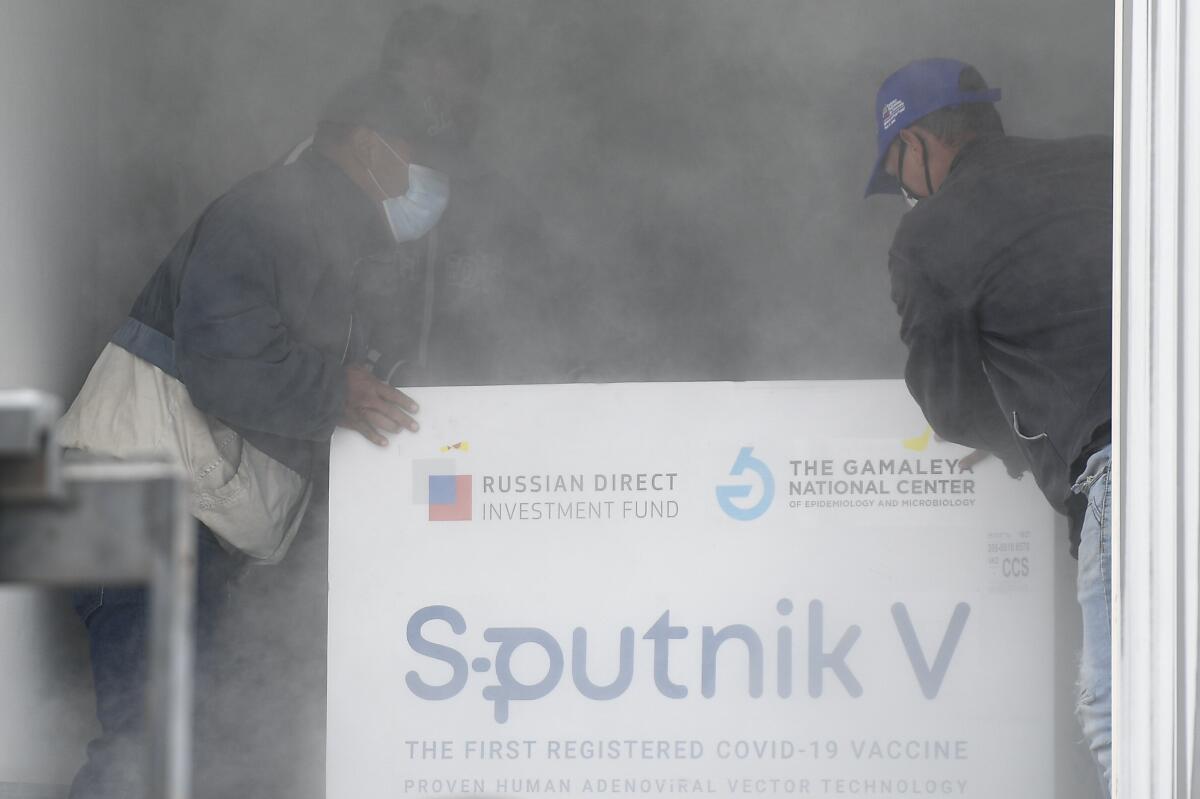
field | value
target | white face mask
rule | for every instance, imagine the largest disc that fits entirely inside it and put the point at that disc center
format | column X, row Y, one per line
column 415, row 213
column 910, row 200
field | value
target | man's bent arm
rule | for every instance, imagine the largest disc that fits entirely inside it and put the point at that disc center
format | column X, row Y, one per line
column 945, row 372
column 234, row 353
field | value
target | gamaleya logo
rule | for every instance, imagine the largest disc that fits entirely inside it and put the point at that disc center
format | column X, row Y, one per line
column 726, row 494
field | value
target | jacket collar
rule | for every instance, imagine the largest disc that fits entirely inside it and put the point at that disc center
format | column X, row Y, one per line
column 972, row 150
column 346, row 205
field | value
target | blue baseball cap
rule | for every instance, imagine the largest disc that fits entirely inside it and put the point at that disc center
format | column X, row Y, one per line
column 910, row 93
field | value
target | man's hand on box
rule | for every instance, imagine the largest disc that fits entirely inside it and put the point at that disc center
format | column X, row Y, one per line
column 373, row 408
column 969, row 460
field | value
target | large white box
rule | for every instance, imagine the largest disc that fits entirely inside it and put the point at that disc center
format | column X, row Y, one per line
column 767, row 589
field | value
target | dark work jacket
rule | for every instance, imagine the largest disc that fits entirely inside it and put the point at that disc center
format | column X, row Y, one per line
column 1003, row 282
column 293, row 274
column 253, row 309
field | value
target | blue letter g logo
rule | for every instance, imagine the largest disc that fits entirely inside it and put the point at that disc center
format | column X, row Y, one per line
column 726, row 494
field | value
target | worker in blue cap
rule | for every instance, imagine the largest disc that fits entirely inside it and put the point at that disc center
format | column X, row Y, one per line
column 1002, row 274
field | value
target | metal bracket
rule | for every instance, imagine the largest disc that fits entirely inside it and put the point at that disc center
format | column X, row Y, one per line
column 100, row 522
column 29, row 455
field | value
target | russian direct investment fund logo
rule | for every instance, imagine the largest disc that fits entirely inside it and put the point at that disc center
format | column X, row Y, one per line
column 447, row 494
column 759, row 476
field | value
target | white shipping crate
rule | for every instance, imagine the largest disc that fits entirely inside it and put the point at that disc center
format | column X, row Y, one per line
column 760, row 589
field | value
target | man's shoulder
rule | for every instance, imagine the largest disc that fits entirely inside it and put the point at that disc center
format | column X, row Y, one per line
column 266, row 203
column 1095, row 145
column 279, row 189
column 1003, row 185
column 1019, row 161
column 927, row 239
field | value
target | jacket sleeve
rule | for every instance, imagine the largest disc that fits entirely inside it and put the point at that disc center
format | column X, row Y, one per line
column 945, row 371
column 234, row 352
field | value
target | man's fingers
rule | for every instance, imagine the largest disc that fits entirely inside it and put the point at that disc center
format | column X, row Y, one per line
column 374, row 408
column 394, row 396
column 390, row 420
column 380, row 420
column 389, row 417
column 973, row 458
column 370, row 433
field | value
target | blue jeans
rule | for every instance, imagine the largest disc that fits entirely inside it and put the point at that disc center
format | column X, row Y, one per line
column 1094, row 583
column 117, row 628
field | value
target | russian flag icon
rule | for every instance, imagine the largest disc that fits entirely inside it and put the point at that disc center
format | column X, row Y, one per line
column 449, row 497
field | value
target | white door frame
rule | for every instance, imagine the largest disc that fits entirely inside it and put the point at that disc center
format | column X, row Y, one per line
column 1156, row 359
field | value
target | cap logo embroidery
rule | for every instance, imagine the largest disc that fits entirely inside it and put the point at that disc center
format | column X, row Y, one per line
column 890, row 111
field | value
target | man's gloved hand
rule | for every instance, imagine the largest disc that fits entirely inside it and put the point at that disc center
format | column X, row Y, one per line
column 372, row 407
column 1015, row 471
column 969, row 460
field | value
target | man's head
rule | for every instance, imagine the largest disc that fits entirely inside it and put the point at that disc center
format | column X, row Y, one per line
column 370, row 128
column 925, row 113
column 444, row 58
column 375, row 131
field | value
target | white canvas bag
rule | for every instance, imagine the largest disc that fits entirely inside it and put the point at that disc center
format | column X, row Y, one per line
column 128, row 407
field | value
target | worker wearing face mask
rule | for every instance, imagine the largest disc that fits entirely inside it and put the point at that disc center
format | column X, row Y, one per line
column 238, row 359
column 1001, row 271
column 484, row 297
column 488, row 297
